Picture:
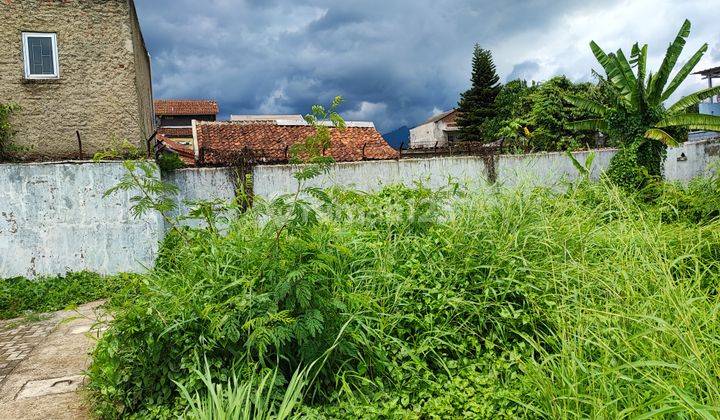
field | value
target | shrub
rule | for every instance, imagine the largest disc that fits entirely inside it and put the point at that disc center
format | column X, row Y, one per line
column 493, row 303
column 169, row 162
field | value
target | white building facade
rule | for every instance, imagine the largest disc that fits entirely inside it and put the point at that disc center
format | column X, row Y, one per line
column 438, row 131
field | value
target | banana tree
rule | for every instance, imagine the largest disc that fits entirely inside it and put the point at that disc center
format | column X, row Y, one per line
column 637, row 118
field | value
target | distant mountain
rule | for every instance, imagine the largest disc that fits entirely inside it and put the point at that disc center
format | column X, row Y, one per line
column 398, row 137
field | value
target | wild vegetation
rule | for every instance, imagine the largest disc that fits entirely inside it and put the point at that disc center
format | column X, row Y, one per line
column 502, row 302
column 535, row 117
column 7, row 132
column 528, row 117
column 583, row 300
column 20, row 296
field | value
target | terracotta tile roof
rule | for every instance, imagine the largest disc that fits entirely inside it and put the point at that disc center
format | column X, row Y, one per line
column 175, row 131
column 185, row 107
column 184, row 151
column 270, row 142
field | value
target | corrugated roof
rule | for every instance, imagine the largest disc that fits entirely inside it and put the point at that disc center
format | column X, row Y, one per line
column 713, row 72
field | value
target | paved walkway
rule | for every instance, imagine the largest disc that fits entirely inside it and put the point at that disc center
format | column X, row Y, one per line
column 42, row 364
column 17, row 339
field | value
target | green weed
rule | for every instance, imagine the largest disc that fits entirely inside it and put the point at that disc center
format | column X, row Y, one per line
column 499, row 302
column 20, row 296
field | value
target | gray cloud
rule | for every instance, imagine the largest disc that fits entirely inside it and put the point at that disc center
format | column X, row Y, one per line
column 395, row 61
column 527, row 70
column 715, row 51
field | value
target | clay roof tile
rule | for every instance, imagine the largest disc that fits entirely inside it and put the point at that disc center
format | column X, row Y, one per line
column 185, row 107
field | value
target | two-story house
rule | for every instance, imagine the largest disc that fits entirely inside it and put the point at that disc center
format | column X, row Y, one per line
column 80, row 73
column 438, row 131
column 175, row 116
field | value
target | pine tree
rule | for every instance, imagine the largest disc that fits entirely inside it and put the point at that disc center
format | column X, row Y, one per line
column 478, row 104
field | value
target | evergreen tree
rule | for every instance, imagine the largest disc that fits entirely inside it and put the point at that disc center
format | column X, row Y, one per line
column 477, row 105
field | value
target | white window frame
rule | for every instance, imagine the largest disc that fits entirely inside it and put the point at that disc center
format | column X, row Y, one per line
column 26, row 55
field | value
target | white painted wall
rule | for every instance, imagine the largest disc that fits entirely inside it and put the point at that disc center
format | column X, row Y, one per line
column 54, row 219
column 196, row 184
column 541, row 168
column 423, row 136
column 548, row 168
column 429, row 135
column 271, row 181
column 700, row 156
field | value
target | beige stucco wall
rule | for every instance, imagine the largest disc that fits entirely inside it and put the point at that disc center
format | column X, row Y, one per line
column 143, row 77
column 104, row 85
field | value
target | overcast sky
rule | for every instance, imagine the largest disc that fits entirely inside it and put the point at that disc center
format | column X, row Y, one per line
column 396, row 62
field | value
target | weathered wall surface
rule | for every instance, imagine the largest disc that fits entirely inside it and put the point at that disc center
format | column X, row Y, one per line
column 54, row 219
column 274, row 180
column 427, row 135
column 692, row 159
column 547, row 168
column 542, row 168
column 196, row 184
column 100, row 92
column 143, row 77
column 433, row 134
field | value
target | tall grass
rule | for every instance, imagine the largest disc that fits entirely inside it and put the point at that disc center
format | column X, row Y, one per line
column 493, row 303
column 636, row 333
column 252, row 399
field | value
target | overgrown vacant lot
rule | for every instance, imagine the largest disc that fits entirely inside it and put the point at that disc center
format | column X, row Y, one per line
column 520, row 302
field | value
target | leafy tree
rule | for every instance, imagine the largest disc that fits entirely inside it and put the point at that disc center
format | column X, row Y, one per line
column 514, row 102
column 517, row 136
column 637, row 119
column 550, row 114
column 477, row 105
column 540, row 108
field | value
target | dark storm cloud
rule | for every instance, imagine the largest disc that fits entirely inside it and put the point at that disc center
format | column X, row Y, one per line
column 394, row 61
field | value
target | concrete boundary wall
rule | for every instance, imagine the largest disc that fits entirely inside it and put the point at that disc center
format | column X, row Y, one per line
column 54, row 219
column 271, row 181
column 196, row 184
column 683, row 163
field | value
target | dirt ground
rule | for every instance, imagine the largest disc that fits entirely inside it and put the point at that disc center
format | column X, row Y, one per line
column 42, row 363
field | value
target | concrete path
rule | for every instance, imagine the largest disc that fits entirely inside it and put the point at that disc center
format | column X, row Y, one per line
column 42, row 364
